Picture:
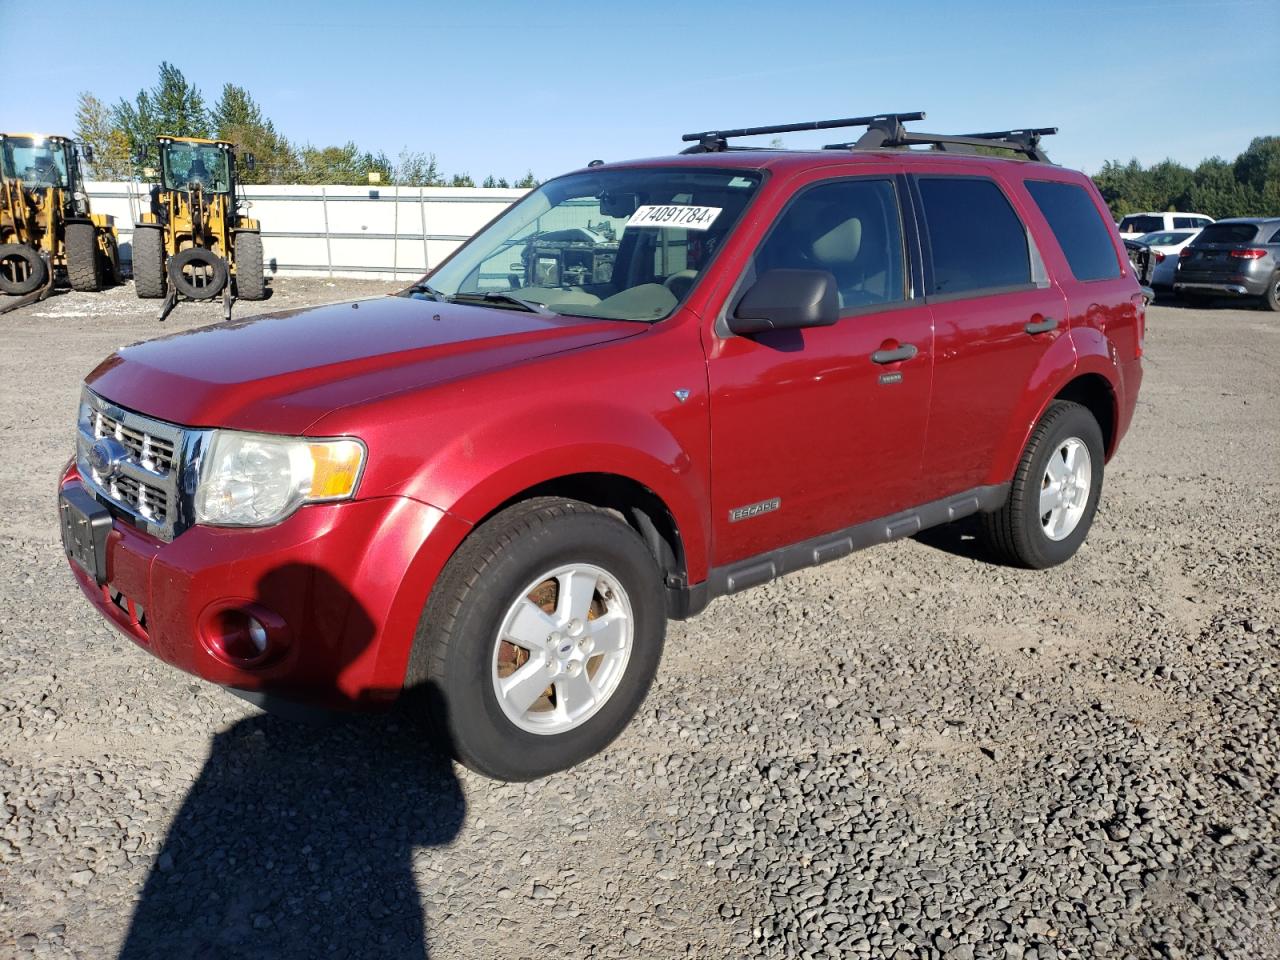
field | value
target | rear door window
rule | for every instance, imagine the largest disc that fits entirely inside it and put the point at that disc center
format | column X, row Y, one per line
column 1141, row 223
column 1183, row 223
column 976, row 241
column 1226, row 233
column 1079, row 228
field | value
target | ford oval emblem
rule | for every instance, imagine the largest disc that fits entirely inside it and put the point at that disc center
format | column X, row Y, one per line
column 106, row 455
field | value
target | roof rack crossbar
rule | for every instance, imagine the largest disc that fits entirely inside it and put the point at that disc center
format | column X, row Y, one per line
column 883, row 136
column 714, row 141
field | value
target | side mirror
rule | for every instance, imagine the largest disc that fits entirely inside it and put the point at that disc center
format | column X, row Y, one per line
column 88, row 152
column 787, row 300
column 250, row 161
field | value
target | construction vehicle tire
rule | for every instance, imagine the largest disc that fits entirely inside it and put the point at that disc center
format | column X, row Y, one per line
column 251, row 282
column 197, row 273
column 148, row 263
column 84, row 265
column 22, row 269
column 114, row 276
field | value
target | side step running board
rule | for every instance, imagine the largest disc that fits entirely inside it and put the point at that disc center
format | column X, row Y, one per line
column 684, row 602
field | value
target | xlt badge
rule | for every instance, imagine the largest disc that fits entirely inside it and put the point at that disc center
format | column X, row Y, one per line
column 754, row 509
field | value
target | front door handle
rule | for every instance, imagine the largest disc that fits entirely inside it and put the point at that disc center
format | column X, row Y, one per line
column 903, row 352
column 1042, row 326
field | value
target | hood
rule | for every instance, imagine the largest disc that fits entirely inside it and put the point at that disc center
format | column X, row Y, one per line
column 281, row 372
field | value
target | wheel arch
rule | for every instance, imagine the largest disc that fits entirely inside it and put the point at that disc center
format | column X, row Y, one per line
column 1095, row 393
column 642, row 509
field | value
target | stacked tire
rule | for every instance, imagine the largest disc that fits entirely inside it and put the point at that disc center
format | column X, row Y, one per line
column 22, row 269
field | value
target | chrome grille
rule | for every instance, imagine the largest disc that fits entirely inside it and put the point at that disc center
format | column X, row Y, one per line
column 153, row 452
column 144, row 484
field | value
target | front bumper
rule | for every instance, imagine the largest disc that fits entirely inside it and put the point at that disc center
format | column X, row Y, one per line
column 342, row 587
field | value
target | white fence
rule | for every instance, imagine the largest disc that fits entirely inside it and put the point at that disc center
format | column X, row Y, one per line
column 372, row 232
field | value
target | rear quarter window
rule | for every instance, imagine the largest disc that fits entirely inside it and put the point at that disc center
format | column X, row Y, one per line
column 976, row 240
column 1079, row 228
column 1226, row 233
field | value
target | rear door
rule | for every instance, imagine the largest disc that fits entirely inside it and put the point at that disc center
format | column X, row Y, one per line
column 815, row 430
column 995, row 315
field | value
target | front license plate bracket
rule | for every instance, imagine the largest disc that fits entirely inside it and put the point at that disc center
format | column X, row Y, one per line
column 85, row 526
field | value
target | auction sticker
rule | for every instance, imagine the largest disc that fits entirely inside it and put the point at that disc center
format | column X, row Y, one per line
column 683, row 216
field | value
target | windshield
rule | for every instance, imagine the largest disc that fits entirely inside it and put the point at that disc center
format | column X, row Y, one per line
column 1226, row 233
column 618, row 244
column 1141, row 224
column 1163, row 239
column 35, row 162
column 202, row 163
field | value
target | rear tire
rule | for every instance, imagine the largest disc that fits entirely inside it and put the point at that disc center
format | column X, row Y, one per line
column 532, row 560
column 1272, row 298
column 148, row 263
column 251, row 282
column 22, row 269
column 208, row 273
column 84, row 262
column 1061, row 464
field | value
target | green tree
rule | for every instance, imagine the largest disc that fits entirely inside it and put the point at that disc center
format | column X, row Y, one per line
column 173, row 107
column 1248, row 186
column 527, row 182
column 416, row 169
column 96, row 130
column 462, row 180
column 1258, row 171
column 492, row 181
column 238, row 119
column 1216, row 192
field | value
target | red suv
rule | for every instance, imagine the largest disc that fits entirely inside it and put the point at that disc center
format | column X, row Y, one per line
column 643, row 386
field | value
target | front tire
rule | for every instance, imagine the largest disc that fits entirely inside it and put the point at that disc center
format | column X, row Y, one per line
column 84, row 262
column 251, row 281
column 540, row 640
column 148, row 263
column 1054, row 494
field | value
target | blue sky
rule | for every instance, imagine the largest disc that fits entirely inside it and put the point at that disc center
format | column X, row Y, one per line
column 502, row 87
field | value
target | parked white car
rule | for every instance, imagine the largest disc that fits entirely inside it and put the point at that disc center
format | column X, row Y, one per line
column 1165, row 246
column 1136, row 224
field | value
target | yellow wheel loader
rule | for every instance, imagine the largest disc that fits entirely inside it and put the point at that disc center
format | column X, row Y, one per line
column 194, row 242
column 45, row 221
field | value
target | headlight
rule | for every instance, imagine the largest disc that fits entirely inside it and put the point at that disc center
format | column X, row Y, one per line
column 255, row 480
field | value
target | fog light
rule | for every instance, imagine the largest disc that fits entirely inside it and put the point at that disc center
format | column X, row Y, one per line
column 241, row 634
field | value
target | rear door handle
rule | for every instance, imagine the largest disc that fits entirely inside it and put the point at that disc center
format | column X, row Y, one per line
column 904, row 352
column 1042, row 326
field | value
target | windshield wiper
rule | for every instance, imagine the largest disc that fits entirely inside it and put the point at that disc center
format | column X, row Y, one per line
column 429, row 290
column 494, row 296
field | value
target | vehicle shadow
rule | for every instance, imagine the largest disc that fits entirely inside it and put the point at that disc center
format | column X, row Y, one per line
column 960, row 538
column 297, row 838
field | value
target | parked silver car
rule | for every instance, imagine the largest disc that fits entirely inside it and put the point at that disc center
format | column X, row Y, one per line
column 1232, row 258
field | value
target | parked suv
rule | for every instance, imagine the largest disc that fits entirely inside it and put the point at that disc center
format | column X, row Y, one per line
column 488, row 493
column 1136, row 224
column 1232, row 258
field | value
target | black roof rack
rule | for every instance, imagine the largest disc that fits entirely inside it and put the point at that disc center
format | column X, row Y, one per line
column 714, row 141
column 1025, row 142
column 885, row 131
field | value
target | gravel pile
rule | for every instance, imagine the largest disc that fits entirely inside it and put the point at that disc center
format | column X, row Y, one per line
column 909, row 753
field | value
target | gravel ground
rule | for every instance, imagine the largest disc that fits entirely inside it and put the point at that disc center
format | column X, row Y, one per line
column 909, row 753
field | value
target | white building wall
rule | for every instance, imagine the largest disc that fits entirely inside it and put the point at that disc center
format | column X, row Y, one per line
column 374, row 232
